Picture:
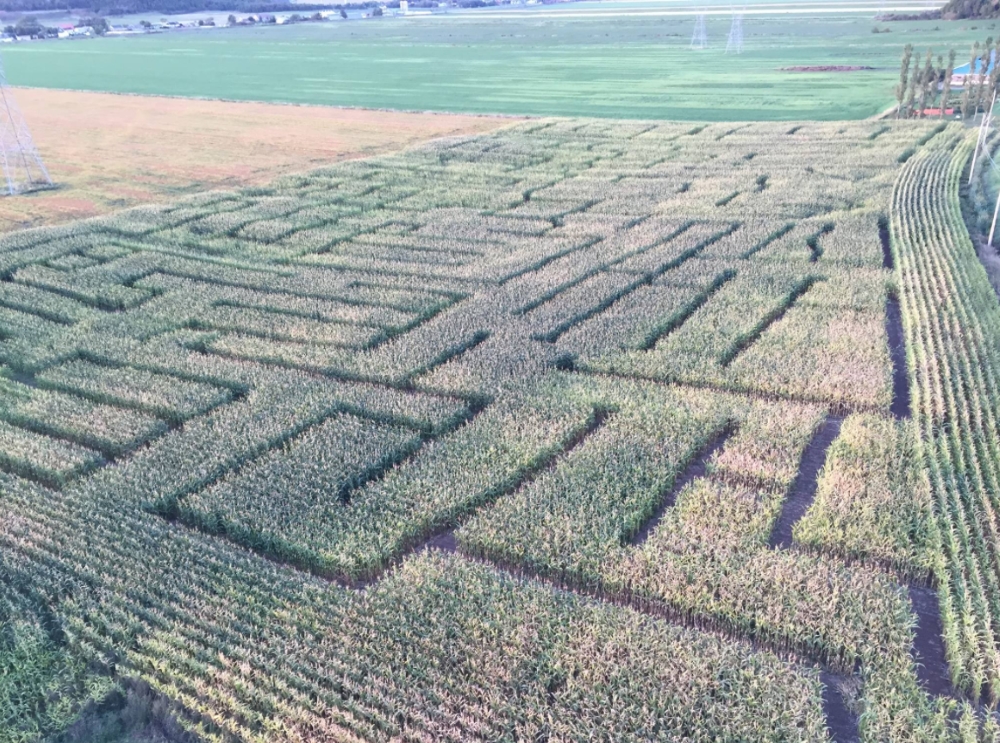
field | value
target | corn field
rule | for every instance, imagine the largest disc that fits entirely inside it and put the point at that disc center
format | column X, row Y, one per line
column 495, row 438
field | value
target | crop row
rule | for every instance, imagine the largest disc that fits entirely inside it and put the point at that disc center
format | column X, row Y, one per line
column 781, row 329
column 950, row 317
column 443, row 649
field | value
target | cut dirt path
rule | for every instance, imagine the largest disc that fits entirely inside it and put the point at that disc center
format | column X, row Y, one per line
column 112, row 151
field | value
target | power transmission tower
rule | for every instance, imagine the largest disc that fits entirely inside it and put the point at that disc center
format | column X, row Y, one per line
column 735, row 42
column 23, row 168
column 699, row 39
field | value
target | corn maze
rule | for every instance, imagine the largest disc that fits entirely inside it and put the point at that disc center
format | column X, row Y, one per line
column 575, row 431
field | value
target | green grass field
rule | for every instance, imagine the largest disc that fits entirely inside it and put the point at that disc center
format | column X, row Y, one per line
column 627, row 66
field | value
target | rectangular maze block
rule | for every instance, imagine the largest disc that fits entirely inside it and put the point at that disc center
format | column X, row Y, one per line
column 49, row 461
column 170, row 397
column 112, row 430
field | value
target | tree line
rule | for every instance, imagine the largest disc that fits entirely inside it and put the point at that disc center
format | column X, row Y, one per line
column 125, row 7
column 970, row 9
column 926, row 83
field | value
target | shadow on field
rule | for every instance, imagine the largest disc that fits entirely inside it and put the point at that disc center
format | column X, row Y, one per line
column 137, row 714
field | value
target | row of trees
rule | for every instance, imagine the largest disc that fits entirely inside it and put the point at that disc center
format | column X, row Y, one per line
column 168, row 7
column 927, row 84
column 266, row 19
column 30, row 26
column 921, row 85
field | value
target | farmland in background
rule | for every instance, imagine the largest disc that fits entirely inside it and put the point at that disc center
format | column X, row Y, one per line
column 107, row 152
column 551, row 62
column 659, row 430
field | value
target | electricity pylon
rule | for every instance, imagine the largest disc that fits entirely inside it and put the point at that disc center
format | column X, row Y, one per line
column 23, row 168
column 699, row 39
column 734, row 44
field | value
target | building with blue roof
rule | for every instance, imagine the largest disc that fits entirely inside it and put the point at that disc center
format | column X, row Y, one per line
column 961, row 72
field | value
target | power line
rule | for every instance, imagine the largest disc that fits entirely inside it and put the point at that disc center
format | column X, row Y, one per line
column 23, row 168
column 984, row 129
column 984, row 134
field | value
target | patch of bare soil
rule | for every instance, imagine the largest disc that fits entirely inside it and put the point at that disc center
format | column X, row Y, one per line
column 106, row 151
column 928, row 642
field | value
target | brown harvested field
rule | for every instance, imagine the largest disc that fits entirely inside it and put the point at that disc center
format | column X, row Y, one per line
column 111, row 151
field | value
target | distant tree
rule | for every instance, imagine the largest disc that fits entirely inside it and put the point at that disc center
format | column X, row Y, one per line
column 967, row 109
column 29, row 26
column 970, row 9
column 231, row 20
column 926, row 75
column 343, row 13
column 942, row 82
column 946, row 82
column 911, row 90
column 980, row 95
column 994, row 74
column 293, row 18
column 9, row 31
column 100, row 25
column 147, row 7
column 317, row 16
column 904, row 75
column 145, row 24
column 377, row 12
column 930, row 79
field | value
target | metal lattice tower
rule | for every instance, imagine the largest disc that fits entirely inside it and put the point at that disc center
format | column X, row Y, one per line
column 699, row 39
column 735, row 42
column 23, row 168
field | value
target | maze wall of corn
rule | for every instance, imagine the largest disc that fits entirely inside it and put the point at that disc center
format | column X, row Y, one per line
column 579, row 430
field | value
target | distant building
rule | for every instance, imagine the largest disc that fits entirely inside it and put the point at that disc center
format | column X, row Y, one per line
column 74, row 32
column 959, row 74
column 404, row 7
